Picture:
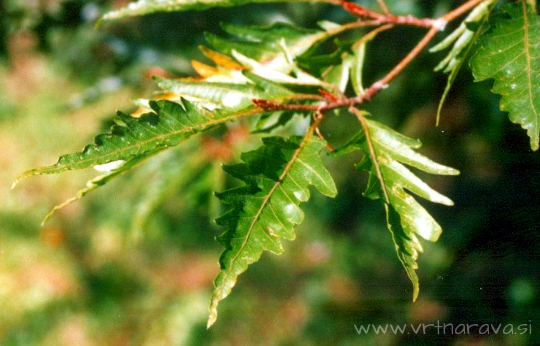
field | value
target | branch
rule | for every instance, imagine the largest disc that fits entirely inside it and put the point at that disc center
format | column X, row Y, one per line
column 436, row 26
column 387, row 17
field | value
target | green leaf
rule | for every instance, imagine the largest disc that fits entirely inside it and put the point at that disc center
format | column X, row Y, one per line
column 269, row 45
column 265, row 210
column 510, row 54
column 357, row 67
column 406, row 218
column 463, row 39
column 351, row 66
column 143, row 7
column 271, row 121
column 130, row 137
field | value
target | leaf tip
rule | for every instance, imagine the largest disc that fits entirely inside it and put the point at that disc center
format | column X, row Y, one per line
column 23, row 176
column 534, row 144
column 416, row 291
column 453, row 171
column 48, row 216
column 212, row 317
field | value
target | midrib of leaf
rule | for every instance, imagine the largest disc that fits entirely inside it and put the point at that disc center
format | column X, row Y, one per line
column 174, row 133
column 264, row 203
column 372, row 153
column 528, row 59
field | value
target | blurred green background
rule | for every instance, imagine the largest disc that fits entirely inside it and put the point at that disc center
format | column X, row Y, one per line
column 133, row 263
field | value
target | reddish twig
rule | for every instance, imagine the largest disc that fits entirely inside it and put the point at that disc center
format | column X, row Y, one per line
column 363, row 12
column 436, row 25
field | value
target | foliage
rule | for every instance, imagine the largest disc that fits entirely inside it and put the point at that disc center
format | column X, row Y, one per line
column 510, row 54
column 277, row 177
column 283, row 70
column 384, row 155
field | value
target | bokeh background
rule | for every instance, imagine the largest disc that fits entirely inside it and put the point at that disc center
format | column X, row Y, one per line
column 133, row 262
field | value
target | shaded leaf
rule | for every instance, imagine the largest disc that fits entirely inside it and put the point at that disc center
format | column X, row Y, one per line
column 510, row 54
column 265, row 44
column 463, row 39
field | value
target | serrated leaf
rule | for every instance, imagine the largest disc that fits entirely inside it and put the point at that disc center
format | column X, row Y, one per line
column 143, row 7
column 170, row 124
column 266, row 209
column 510, row 54
column 406, row 218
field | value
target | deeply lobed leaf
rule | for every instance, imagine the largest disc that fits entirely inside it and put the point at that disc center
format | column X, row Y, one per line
column 266, row 208
column 510, row 54
column 406, row 218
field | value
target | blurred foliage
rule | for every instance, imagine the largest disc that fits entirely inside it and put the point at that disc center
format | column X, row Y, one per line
column 98, row 275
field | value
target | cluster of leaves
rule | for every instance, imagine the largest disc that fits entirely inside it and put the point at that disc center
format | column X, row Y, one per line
column 255, row 70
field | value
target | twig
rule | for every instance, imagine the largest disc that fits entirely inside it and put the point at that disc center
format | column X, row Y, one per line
column 437, row 24
column 363, row 12
column 457, row 12
column 318, row 116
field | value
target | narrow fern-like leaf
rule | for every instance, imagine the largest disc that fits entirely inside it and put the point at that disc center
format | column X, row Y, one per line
column 406, row 218
column 510, row 54
column 266, row 209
